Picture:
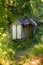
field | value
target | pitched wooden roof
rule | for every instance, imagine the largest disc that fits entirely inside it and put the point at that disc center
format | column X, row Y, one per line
column 28, row 21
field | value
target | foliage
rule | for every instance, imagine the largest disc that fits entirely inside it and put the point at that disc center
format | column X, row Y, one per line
column 12, row 9
column 7, row 52
column 10, row 49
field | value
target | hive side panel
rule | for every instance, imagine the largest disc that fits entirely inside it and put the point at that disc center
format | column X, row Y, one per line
column 13, row 32
column 19, row 31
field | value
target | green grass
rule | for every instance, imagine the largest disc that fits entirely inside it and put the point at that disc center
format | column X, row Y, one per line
column 9, row 49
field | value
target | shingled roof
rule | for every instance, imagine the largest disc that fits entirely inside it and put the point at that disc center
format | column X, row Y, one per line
column 28, row 21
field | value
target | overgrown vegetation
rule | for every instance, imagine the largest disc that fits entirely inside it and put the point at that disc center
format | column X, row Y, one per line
column 12, row 9
column 19, row 52
column 10, row 49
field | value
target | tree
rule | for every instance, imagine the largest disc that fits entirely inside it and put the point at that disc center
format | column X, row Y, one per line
column 11, row 9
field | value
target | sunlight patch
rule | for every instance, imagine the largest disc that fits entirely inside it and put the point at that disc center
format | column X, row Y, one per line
column 0, row 33
column 11, row 51
column 2, row 38
column 41, row 0
column 4, row 35
column 0, row 44
column 37, row 46
column 1, row 28
column 0, row 50
column 4, row 52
